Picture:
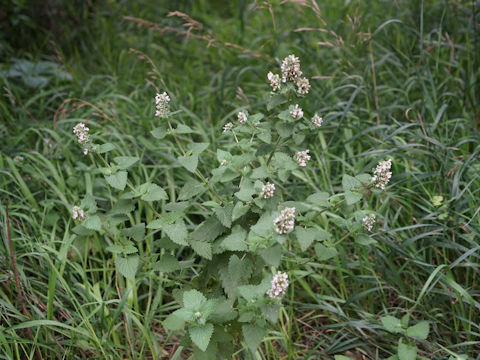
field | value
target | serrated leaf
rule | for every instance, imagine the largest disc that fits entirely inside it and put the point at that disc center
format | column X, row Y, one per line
column 117, row 180
column 271, row 312
column 127, row 266
column 209, row 354
column 284, row 130
column 341, row 357
column 365, row 240
column 236, row 240
column 260, row 172
column 190, row 190
column 183, row 129
column 193, row 299
column 174, row 323
column 253, row 336
column 201, row 335
column 275, row 100
column 167, row 263
column 419, row 330
column 406, row 352
column 137, row 232
column 246, row 191
column 239, row 210
column 352, row 197
column 189, row 162
column 224, row 214
column 272, row 256
column 198, row 148
column 177, row 232
column 93, row 223
column 349, row 182
column 209, row 230
column 202, row 248
column 305, row 237
column 102, row 149
column 154, row 193
column 124, row 162
column 319, row 199
column 122, row 206
column 167, row 218
column 159, row 132
column 324, row 253
column 392, row 324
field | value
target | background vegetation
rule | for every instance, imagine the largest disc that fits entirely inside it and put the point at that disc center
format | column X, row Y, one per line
column 391, row 78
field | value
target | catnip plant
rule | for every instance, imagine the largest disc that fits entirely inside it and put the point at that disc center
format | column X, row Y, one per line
column 250, row 218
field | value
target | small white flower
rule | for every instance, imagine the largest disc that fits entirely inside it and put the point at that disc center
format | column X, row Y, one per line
column 317, row 121
column 279, row 285
column 382, row 174
column 162, row 102
column 242, row 117
column 223, row 162
column 368, row 222
column 268, row 190
column 81, row 131
column 302, row 157
column 303, row 86
column 291, row 68
column 227, row 127
column 297, row 112
column 18, row 158
column 285, row 221
column 78, row 213
column 274, row 81
column 85, row 151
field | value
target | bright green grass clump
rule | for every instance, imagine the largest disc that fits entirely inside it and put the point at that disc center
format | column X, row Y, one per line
column 392, row 80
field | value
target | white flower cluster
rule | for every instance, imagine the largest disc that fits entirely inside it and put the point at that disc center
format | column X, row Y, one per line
column 268, row 190
column 317, row 121
column 368, row 222
column 18, row 158
column 242, row 117
column 302, row 157
column 274, row 81
column 290, row 72
column 81, row 132
column 382, row 174
column 227, row 127
column 162, row 102
column 297, row 112
column 279, row 285
column 78, row 213
column 285, row 221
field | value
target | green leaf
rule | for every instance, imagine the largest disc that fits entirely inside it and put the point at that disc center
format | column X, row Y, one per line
column 260, row 172
column 239, row 210
column 123, row 206
column 202, row 248
column 365, row 240
column 189, row 162
column 341, row 357
column 154, row 193
column 190, row 189
column 306, row 237
column 201, row 335
column 253, row 336
column 183, row 129
column 209, row 354
column 137, row 232
column 284, row 130
column 319, row 199
column 117, row 180
column 224, row 214
column 105, row 148
column 270, row 312
column 352, row 197
column 236, row 240
column 167, row 263
column 406, row 352
column 159, row 132
column 419, row 330
column 193, row 299
column 93, row 223
column 174, row 323
column 198, row 148
column 246, row 191
column 272, row 256
column 209, row 230
column 392, row 324
column 275, row 100
column 177, row 232
column 349, row 182
column 324, row 253
column 127, row 266
column 124, row 162
column 167, row 218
